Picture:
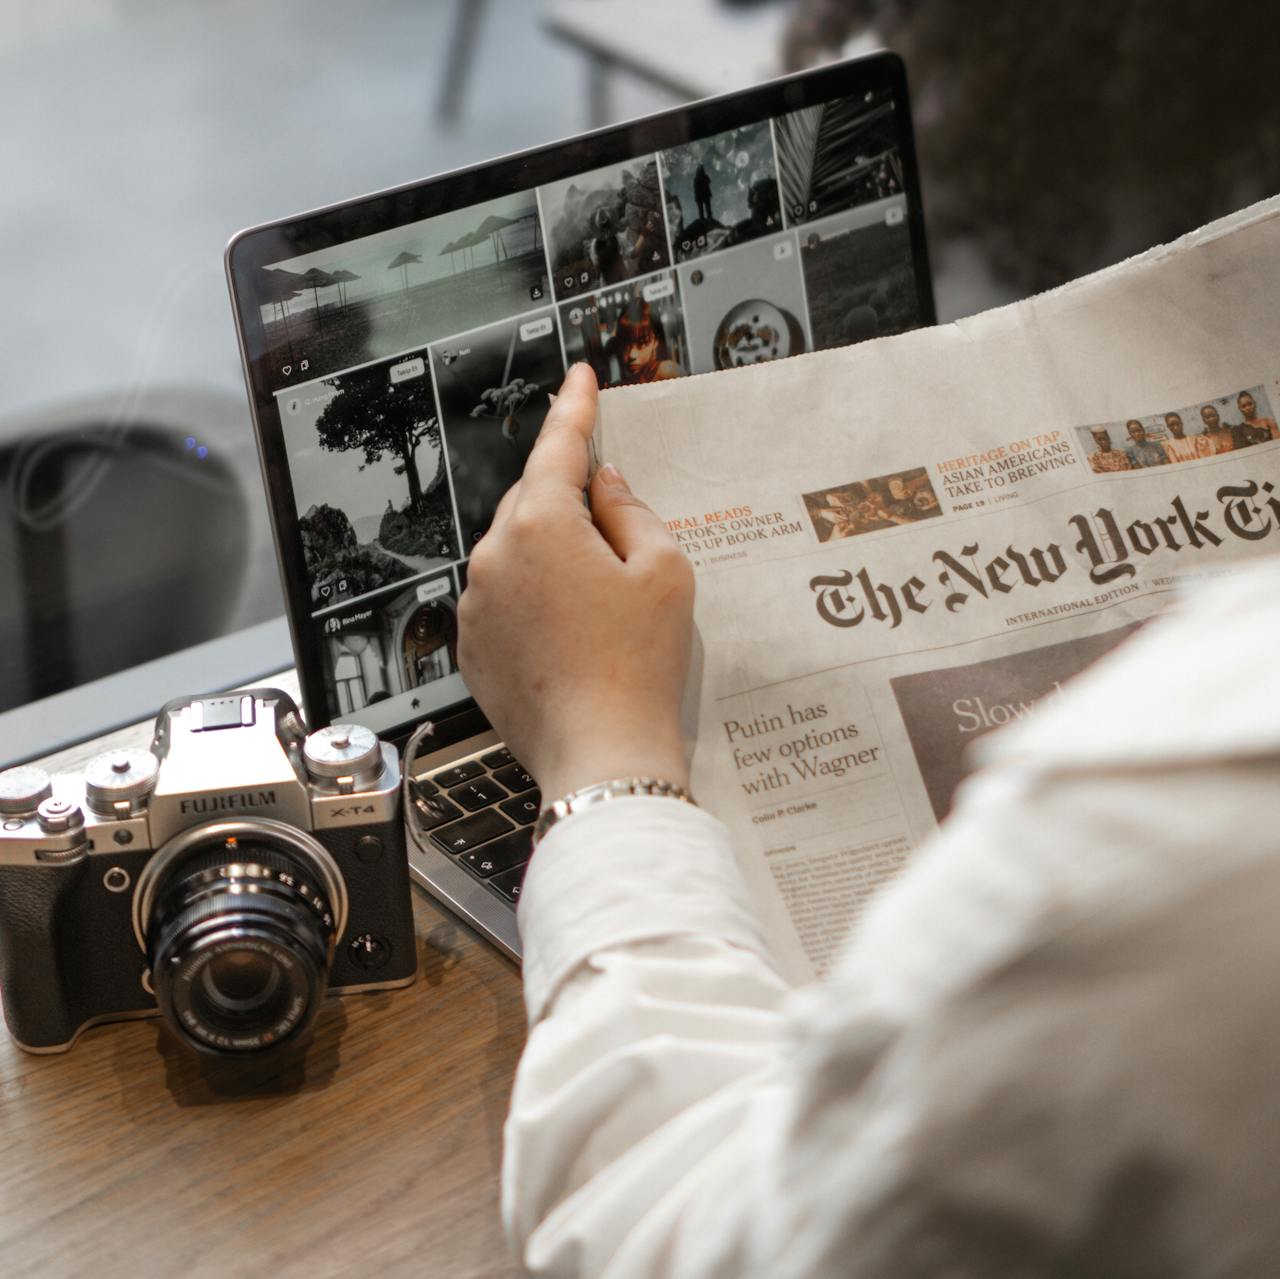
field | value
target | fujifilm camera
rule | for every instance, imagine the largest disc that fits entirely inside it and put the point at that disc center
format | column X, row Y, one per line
column 225, row 879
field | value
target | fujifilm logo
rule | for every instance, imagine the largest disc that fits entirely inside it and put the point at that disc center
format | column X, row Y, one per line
column 235, row 802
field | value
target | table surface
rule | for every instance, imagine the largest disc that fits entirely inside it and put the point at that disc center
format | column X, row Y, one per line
column 375, row 1148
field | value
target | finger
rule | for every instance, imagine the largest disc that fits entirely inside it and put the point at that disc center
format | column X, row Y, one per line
column 625, row 522
column 559, row 455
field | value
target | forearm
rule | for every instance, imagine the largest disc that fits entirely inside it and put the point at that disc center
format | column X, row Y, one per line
column 657, row 1026
column 630, row 1144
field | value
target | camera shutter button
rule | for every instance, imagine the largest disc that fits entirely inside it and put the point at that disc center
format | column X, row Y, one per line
column 57, row 816
column 61, row 817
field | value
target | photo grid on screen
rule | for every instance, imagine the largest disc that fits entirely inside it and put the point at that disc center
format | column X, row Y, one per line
column 426, row 353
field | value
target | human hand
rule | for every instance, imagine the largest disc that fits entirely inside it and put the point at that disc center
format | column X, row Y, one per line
column 576, row 624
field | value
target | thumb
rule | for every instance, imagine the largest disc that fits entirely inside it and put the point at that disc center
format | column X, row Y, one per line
column 624, row 521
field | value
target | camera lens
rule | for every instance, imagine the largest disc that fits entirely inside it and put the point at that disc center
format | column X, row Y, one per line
column 240, row 939
column 239, row 982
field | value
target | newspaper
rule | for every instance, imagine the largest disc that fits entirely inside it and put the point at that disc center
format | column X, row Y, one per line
column 902, row 545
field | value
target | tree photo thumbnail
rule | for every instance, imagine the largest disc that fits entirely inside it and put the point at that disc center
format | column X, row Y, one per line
column 392, row 518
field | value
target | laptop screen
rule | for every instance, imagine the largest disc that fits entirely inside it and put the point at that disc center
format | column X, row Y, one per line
column 400, row 365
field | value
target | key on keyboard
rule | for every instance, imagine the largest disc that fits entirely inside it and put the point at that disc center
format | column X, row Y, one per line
column 508, row 883
column 458, row 774
column 476, row 795
column 502, row 854
column 471, row 831
column 523, row 808
column 514, row 778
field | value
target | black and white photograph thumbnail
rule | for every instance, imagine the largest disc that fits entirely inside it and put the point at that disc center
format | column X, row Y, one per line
column 494, row 385
column 721, row 191
column 629, row 334
column 370, row 479
column 744, row 306
column 404, row 288
column 604, row 227
column 838, row 155
column 399, row 643
column 859, row 274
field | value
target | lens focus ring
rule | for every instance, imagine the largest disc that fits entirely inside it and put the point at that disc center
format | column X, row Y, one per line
column 240, row 940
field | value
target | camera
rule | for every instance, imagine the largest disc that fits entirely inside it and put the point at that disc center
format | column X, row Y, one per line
column 226, row 879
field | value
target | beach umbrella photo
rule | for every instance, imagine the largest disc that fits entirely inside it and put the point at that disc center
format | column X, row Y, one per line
column 342, row 279
column 316, row 280
column 467, row 245
column 278, row 288
column 451, row 248
column 491, row 228
column 403, row 260
column 532, row 218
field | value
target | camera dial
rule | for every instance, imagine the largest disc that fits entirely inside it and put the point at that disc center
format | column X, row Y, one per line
column 239, row 925
column 344, row 751
column 116, row 782
column 23, row 789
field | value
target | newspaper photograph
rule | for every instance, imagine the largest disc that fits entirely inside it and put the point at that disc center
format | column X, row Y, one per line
column 903, row 545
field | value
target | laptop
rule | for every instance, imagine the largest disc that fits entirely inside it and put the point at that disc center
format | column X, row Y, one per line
column 399, row 349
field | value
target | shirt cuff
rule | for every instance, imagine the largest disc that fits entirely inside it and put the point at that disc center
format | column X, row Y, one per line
column 629, row 870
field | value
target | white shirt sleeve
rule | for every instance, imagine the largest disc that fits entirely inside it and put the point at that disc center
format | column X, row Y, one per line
column 680, row 1112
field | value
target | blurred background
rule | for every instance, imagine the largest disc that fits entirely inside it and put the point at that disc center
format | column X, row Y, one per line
column 141, row 134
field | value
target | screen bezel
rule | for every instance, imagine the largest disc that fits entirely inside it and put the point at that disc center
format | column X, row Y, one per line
column 292, row 237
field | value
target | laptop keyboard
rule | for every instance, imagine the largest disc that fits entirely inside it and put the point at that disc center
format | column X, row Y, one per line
column 480, row 812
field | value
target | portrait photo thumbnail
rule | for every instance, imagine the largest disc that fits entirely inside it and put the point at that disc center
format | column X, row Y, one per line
column 866, row 506
column 859, row 273
column 494, row 385
column 721, row 191
column 1208, row 428
column 838, row 155
column 630, row 334
column 401, row 641
column 604, row 227
column 369, row 478
column 1245, row 416
column 744, row 306
column 406, row 287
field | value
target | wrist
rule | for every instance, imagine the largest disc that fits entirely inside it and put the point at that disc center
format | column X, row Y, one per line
column 601, row 792
column 597, row 761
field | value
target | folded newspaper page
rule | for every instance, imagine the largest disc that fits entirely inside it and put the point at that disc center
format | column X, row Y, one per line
column 905, row 544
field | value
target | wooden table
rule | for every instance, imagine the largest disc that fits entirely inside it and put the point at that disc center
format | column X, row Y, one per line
column 374, row 1150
